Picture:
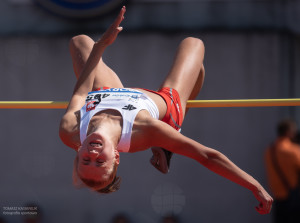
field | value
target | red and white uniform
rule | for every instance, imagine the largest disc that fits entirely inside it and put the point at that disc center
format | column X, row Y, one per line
column 125, row 100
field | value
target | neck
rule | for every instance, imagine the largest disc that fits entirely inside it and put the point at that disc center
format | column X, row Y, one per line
column 108, row 123
column 284, row 138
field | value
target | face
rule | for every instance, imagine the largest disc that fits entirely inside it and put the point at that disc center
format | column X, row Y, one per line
column 96, row 157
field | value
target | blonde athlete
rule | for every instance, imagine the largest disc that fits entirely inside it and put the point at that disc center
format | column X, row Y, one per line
column 104, row 118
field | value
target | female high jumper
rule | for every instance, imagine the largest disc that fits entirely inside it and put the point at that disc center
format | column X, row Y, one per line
column 104, row 118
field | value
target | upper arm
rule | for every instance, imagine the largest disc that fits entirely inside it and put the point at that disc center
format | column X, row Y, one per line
column 69, row 129
column 76, row 103
column 170, row 139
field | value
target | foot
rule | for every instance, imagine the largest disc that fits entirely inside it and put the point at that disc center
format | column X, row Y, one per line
column 161, row 159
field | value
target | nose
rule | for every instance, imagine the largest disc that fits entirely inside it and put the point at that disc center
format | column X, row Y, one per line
column 94, row 153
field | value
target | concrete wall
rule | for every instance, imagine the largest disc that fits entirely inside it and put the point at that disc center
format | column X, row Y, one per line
column 35, row 166
column 24, row 17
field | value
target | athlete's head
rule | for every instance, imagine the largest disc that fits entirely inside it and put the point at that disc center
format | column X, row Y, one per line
column 287, row 128
column 96, row 163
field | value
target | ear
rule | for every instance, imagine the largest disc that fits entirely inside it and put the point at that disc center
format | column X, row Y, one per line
column 76, row 179
column 117, row 157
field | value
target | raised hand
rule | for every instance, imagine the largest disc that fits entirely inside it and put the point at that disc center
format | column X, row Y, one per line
column 112, row 32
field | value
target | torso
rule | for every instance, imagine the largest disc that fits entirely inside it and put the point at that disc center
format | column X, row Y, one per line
column 288, row 158
column 142, row 120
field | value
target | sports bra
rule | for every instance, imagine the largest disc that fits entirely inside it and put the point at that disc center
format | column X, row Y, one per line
column 125, row 100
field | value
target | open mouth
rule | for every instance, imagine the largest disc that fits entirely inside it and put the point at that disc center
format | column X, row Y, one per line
column 95, row 144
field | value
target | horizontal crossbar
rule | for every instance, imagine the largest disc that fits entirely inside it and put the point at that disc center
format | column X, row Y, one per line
column 190, row 104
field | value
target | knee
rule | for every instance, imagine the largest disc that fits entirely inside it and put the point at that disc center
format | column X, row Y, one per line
column 194, row 43
column 79, row 41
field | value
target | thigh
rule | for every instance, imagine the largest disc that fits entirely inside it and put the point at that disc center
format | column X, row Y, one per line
column 80, row 49
column 186, row 68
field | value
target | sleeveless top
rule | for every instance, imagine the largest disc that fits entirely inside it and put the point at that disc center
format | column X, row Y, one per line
column 125, row 100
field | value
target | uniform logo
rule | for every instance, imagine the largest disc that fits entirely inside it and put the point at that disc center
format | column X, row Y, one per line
column 129, row 107
column 121, row 90
column 91, row 105
column 96, row 97
column 93, row 100
column 79, row 8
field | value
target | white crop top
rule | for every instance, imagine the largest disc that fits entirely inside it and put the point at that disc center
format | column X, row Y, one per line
column 125, row 100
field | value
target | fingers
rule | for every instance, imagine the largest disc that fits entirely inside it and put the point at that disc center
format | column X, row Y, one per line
column 112, row 32
column 122, row 12
column 120, row 17
column 260, row 210
column 264, row 208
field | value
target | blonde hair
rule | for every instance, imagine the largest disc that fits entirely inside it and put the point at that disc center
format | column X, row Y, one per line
column 80, row 182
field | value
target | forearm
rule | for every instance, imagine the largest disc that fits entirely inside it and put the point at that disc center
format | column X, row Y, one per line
column 214, row 161
column 220, row 164
column 87, row 77
column 170, row 139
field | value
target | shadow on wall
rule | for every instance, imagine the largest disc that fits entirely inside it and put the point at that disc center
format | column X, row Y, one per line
column 121, row 218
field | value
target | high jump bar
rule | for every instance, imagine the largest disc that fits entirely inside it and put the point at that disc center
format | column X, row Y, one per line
column 190, row 103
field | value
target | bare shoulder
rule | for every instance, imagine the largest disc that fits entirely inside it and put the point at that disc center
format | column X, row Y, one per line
column 155, row 133
column 69, row 129
column 141, row 132
column 165, row 135
column 149, row 132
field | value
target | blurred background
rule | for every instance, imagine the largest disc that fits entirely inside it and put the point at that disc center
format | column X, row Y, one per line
column 252, row 51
